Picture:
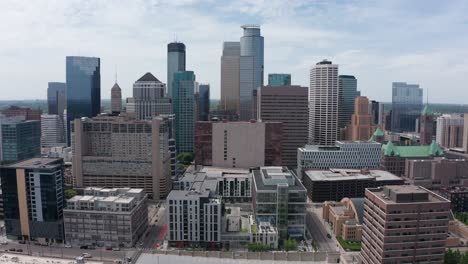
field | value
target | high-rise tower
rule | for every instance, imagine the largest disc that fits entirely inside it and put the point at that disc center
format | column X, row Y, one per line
column 56, row 98
column 230, row 77
column 183, row 107
column 426, row 133
column 347, row 85
column 407, row 102
column 175, row 63
column 149, row 99
column 116, row 99
column 323, row 104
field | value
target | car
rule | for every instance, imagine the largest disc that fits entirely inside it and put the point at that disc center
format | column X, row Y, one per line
column 108, row 248
column 84, row 247
column 12, row 249
column 86, row 255
column 67, row 246
column 22, row 242
column 116, row 249
column 19, row 250
column 4, row 243
column 91, row 247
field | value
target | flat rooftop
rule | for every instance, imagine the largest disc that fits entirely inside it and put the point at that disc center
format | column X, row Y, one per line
column 36, row 163
column 268, row 178
column 24, row 259
column 147, row 258
column 349, row 174
column 396, row 194
column 178, row 194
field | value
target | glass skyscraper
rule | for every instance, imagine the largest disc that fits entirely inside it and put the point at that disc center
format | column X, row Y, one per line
column 175, row 63
column 83, row 88
column 183, row 107
column 56, row 98
column 407, row 104
column 20, row 139
column 347, row 93
column 203, row 102
column 279, row 79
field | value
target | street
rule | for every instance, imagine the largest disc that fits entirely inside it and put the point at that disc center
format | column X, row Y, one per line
column 157, row 228
column 318, row 231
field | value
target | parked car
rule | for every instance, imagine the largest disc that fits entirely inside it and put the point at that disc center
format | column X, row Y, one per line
column 86, row 255
column 19, row 250
column 115, row 249
column 84, row 247
column 22, row 242
column 68, row 246
column 108, row 248
column 4, row 243
column 12, row 249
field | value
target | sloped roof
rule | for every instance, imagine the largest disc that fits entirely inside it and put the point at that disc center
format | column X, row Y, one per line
column 433, row 149
column 427, row 110
column 116, row 87
column 148, row 77
column 378, row 132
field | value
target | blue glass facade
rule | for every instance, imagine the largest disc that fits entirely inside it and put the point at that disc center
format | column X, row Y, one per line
column 20, row 140
column 83, row 88
column 56, row 98
column 407, row 104
column 175, row 63
column 183, row 107
column 203, row 102
column 347, row 93
column 279, row 79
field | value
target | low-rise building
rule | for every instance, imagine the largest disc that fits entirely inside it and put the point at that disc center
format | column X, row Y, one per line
column 336, row 184
column 106, row 217
column 280, row 199
column 345, row 217
column 458, row 197
column 344, row 155
column 437, row 173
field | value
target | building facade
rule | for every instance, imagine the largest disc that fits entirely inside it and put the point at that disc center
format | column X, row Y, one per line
column 203, row 102
column 344, row 155
column 407, row 104
column 33, row 197
column 426, row 126
column 230, row 72
column 238, row 144
column 437, row 173
column 20, row 139
column 106, row 217
column 52, row 131
column 149, row 98
column 175, row 63
column 56, row 98
column 183, row 103
column 347, row 86
column 25, row 112
column 345, row 217
column 361, row 127
column 83, row 75
column 288, row 105
column 117, row 152
column 279, row 79
column 404, row 224
column 458, row 197
column 116, row 99
column 449, row 131
column 323, row 104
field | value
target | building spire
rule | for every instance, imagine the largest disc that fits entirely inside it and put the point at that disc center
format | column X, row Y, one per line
column 116, row 73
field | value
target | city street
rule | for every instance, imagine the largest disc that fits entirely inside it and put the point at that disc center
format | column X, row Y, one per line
column 156, row 230
column 318, row 231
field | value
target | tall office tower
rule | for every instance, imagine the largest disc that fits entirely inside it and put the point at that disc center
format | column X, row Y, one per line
column 376, row 111
column 251, row 68
column 279, row 79
column 323, row 104
column 230, row 77
column 25, row 112
column 117, row 151
column 116, row 99
column 167, row 129
column 20, row 139
column 361, row 127
column 449, row 132
column 347, row 93
column 288, row 105
column 149, row 97
column 426, row 129
column 56, row 98
column 33, row 192
column 203, row 102
column 407, row 102
column 183, row 107
column 52, row 131
column 175, row 63
column 83, row 88
column 404, row 224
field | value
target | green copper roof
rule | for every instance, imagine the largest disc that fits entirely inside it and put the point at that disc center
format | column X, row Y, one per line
column 413, row 151
column 378, row 132
column 427, row 110
column 371, row 139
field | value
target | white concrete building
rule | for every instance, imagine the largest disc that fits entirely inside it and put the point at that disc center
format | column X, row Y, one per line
column 344, row 155
column 323, row 104
column 149, row 98
column 52, row 131
column 449, row 131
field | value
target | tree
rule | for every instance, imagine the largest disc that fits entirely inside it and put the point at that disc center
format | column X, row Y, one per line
column 290, row 244
column 70, row 193
column 185, row 158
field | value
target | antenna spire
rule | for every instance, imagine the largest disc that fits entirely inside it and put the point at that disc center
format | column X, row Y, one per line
column 116, row 73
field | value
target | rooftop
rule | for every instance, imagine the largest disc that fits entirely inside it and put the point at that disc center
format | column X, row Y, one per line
column 406, row 194
column 268, row 179
column 24, row 259
column 148, row 77
column 350, row 174
column 433, row 149
column 36, row 163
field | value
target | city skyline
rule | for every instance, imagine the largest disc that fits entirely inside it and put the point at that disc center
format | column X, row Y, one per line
column 138, row 43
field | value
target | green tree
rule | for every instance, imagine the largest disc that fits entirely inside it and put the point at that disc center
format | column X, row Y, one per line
column 290, row 244
column 70, row 193
column 185, row 158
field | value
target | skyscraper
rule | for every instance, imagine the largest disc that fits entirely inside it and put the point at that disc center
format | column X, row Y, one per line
column 183, row 107
column 347, row 93
column 56, row 98
column 449, row 132
column 83, row 88
column 361, row 127
column 20, row 139
column 407, row 102
column 52, row 131
column 251, row 68
column 279, row 79
column 230, row 77
column 203, row 102
column 175, row 63
column 149, row 98
column 376, row 111
column 116, row 99
column 426, row 133
column 323, row 104
column 288, row 105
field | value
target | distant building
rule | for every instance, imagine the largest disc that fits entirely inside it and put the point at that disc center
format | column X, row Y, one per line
column 347, row 86
column 361, row 126
column 203, row 102
column 117, row 152
column 33, row 196
column 238, row 144
column 377, row 112
column 288, row 105
column 83, row 89
column 26, row 112
column 407, row 103
column 183, row 103
column 344, row 155
column 175, row 63
column 116, row 99
column 345, row 217
column 279, row 79
column 20, row 139
column 336, row 184
column 52, row 131
column 426, row 129
column 149, row 98
column 437, row 173
column 389, row 211
column 323, row 104
column 458, row 197
column 106, row 217
column 279, row 198
column 230, row 82
column 56, row 98
column 449, row 132
column 394, row 157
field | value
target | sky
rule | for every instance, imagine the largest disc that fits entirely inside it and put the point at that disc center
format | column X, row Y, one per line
column 418, row 41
